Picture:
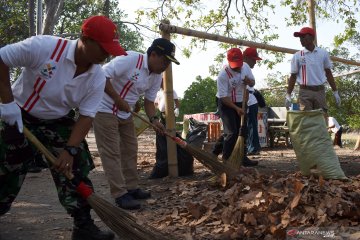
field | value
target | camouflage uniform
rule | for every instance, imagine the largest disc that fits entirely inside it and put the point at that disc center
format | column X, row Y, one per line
column 16, row 152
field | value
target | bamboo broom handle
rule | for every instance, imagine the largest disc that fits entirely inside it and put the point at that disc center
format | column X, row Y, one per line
column 176, row 139
column 43, row 150
column 215, row 37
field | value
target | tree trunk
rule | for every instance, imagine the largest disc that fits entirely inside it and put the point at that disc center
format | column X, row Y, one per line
column 53, row 9
column 357, row 145
column 32, row 28
column 106, row 9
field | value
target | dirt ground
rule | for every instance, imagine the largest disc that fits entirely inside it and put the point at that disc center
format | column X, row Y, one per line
column 37, row 214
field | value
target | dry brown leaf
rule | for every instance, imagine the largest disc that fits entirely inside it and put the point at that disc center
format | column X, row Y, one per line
column 175, row 213
column 295, row 201
column 203, row 218
column 285, row 218
column 223, row 180
column 298, row 186
column 250, row 219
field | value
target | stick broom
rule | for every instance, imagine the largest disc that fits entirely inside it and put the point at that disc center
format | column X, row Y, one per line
column 118, row 220
column 207, row 159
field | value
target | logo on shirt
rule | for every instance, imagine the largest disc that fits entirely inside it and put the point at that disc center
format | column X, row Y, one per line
column 302, row 60
column 48, row 70
column 135, row 76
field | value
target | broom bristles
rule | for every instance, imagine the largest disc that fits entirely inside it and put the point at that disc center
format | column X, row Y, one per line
column 121, row 222
column 237, row 155
column 118, row 220
column 210, row 161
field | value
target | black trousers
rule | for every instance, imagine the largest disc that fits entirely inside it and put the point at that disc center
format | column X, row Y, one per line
column 231, row 124
column 337, row 139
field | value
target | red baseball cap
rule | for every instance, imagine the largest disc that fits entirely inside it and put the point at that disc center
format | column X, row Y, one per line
column 252, row 53
column 104, row 32
column 304, row 31
column 235, row 57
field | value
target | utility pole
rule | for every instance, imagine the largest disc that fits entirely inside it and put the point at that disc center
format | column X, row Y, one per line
column 311, row 7
column 39, row 18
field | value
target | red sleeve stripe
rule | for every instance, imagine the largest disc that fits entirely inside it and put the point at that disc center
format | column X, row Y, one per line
column 61, row 51
column 303, row 70
column 56, row 48
column 140, row 61
column 233, row 95
column 35, row 93
column 228, row 73
column 60, row 42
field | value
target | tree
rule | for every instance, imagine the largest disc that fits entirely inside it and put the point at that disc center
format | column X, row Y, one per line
column 14, row 16
column 199, row 97
column 248, row 19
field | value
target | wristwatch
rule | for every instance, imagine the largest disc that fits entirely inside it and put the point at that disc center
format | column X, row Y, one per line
column 153, row 118
column 73, row 151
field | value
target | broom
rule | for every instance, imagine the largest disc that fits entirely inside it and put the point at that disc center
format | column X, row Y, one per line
column 207, row 159
column 238, row 153
column 118, row 220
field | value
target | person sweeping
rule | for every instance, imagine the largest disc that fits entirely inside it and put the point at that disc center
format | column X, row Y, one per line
column 127, row 79
column 58, row 76
column 231, row 82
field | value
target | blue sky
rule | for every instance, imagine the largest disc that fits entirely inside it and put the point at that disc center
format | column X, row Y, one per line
column 199, row 62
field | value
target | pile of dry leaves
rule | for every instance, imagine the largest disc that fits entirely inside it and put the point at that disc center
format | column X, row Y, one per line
column 257, row 206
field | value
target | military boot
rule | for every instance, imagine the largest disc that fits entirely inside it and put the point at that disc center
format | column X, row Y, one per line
column 85, row 229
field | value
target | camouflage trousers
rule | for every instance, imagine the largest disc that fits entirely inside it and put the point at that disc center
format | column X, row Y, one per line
column 17, row 152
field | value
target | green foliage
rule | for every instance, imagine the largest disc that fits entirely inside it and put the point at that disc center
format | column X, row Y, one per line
column 75, row 12
column 199, row 97
column 248, row 20
column 14, row 19
column 14, row 15
column 275, row 94
column 349, row 90
column 327, row 10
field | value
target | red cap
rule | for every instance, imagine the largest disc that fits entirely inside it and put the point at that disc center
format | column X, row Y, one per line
column 304, row 31
column 235, row 57
column 104, row 32
column 252, row 53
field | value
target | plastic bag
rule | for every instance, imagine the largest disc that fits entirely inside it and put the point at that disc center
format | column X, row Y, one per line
column 312, row 144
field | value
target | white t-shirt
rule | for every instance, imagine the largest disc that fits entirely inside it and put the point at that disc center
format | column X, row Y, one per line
column 332, row 121
column 310, row 66
column 47, row 88
column 230, row 83
column 160, row 99
column 252, row 99
column 131, row 78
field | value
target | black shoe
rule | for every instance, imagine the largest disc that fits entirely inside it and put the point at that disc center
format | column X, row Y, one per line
column 249, row 163
column 91, row 232
column 253, row 153
column 127, row 201
column 158, row 173
column 139, row 193
column 34, row 169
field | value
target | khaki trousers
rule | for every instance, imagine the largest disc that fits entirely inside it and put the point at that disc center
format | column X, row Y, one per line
column 311, row 100
column 117, row 144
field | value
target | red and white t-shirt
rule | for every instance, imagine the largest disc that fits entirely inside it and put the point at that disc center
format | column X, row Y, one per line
column 230, row 82
column 46, row 87
column 310, row 66
column 131, row 78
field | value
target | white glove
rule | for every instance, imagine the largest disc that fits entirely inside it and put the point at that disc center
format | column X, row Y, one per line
column 176, row 112
column 11, row 114
column 337, row 98
column 288, row 100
